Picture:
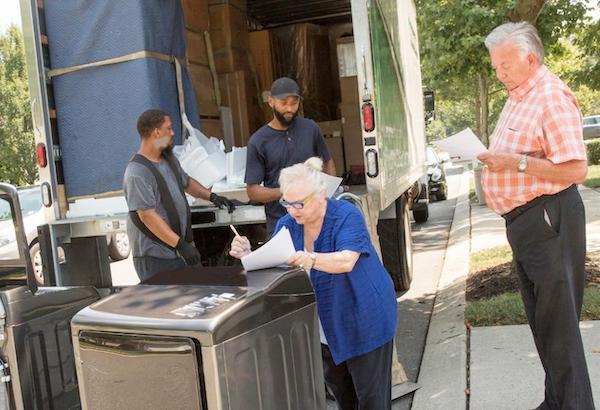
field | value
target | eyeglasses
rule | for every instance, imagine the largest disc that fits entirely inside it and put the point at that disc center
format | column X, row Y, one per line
column 296, row 204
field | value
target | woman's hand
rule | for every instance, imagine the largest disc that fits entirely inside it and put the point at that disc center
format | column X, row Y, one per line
column 240, row 247
column 301, row 259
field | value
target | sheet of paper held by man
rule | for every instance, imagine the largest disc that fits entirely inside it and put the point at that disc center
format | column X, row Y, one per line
column 273, row 253
column 464, row 145
column 332, row 183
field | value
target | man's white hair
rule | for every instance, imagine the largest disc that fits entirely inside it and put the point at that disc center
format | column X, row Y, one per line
column 305, row 174
column 522, row 34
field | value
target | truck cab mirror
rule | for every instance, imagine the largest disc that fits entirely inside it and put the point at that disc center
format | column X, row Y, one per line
column 429, row 101
column 15, row 261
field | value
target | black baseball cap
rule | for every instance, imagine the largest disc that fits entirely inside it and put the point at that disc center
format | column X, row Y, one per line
column 285, row 87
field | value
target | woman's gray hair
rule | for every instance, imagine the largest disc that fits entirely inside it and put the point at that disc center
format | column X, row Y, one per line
column 307, row 173
column 522, row 34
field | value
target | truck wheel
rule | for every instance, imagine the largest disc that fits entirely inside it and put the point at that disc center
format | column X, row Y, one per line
column 421, row 214
column 396, row 245
column 36, row 261
column 118, row 247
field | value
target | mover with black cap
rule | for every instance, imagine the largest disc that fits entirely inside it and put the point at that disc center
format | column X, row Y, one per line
column 285, row 141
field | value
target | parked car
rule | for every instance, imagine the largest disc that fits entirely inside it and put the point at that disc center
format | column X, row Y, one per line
column 30, row 199
column 436, row 176
column 591, row 127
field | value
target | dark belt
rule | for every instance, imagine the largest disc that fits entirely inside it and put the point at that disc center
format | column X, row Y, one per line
column 511, row 215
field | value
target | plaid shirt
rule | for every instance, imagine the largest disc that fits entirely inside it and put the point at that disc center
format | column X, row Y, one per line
column 541, row 118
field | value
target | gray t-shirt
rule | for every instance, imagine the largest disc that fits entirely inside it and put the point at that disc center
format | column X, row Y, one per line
column 141, row 192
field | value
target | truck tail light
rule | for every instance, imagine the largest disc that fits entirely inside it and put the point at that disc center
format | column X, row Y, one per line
column 46, row 195
column 372, row 163
column 368, row 114
column 42, row 158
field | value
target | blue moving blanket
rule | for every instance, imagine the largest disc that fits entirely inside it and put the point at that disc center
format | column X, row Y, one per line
column 97, row 108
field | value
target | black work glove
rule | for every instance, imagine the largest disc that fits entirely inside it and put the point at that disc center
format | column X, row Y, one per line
column 221, row 202
column 188, row 252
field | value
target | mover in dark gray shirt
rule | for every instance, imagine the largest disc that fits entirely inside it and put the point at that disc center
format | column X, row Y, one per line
column 159, row 225
column 286, row 140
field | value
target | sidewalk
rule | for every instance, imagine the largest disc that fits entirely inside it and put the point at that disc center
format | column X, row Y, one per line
column 505, row 371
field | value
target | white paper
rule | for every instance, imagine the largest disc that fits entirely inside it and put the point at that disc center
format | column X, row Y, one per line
column 332, row 184
column 273, row 253
column 464, row 145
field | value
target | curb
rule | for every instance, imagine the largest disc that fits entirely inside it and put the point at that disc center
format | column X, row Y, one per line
column 443, row 373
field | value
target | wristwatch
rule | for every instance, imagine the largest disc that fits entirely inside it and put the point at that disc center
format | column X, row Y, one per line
column 313, row 256
column 522, row 166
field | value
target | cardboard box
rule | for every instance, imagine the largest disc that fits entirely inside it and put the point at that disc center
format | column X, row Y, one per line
column 333, row 133
column 195, row 14
column 336, row 149
column 270, row 59
column 312, row 64
column 228, row 60
column 346, row 55
column 196, row 48
column 239, row 93
column 331, row 129
column 349, row 90
column 352, row 131
column 205, row 90
column 212, row 127
column 240, row 4
column 228, row 27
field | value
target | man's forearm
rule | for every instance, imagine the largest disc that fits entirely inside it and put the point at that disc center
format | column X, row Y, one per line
column 158, row 226
column 263, row 194
column 329, row 167
column 570, row 171
column 197, row 190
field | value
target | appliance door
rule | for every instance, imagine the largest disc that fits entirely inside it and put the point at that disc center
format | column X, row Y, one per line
column 119, row 371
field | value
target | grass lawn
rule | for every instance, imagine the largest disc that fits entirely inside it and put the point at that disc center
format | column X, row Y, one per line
column 593, row 176
column 507, row 309
column 492, row 289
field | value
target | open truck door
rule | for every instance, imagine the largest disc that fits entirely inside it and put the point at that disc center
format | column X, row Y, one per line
column 389, row 82
column 36, row 353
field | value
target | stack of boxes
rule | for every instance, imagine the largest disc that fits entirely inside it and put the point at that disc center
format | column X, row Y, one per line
column 227, row 93
column 271, row 60
column 237, row 81
column 197, row 24
column 349, row 106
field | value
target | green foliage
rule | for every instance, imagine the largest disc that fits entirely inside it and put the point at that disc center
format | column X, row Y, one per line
column 17, row 156
column 455, row 115
column 593, row 176
column 454, row 57
column 435, row 130
column 589, row 41
column 589, row 100
column 593, row 152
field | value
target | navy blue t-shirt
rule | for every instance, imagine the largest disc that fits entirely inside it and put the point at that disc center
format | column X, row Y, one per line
column 270, row 150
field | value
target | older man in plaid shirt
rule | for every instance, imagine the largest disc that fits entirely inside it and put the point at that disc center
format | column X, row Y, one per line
column 536, row 158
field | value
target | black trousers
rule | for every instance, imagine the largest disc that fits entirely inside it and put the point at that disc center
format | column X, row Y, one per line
column 146, row 266
column 362, row 382
column 548, row 243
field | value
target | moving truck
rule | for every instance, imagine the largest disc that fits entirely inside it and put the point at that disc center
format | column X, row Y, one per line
column 93, row 69
column 95, row 66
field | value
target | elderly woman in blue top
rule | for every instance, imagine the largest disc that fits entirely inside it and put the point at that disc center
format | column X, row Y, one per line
column 355, row 296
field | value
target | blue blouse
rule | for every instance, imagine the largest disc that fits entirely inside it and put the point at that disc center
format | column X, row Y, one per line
column 357, row 309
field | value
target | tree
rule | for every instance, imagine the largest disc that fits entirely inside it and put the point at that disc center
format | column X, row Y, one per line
column 17, row 156
column 455, row 61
